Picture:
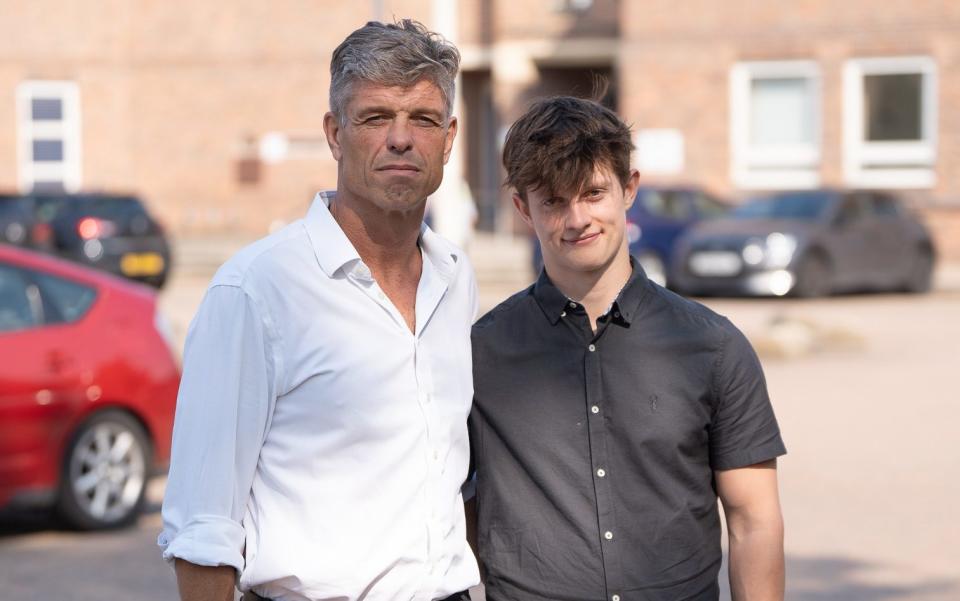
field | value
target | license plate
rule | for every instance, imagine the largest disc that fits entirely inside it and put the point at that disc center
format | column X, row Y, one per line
column 715, row 263
column 141, row 264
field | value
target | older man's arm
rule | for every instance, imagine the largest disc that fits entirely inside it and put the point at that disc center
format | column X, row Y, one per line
column 751, row 503
column 204, row 583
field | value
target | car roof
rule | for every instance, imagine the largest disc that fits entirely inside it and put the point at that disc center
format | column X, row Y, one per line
column 60, row 267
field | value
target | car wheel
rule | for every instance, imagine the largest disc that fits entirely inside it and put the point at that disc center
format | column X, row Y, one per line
column 653, row 266
column 813, row 277
column 920, row 277
column 104, row 474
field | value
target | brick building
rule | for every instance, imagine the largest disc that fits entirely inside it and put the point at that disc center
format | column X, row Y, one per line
column 213, row 111
column 755, row 96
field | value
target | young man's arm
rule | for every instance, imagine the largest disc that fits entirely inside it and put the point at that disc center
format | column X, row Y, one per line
column 204, row 583
column 755, row 527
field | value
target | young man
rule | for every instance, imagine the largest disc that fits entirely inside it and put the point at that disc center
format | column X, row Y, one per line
column 609, row 413
column 321, row 439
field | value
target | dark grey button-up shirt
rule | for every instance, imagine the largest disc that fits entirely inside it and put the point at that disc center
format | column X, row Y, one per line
column 595, row 452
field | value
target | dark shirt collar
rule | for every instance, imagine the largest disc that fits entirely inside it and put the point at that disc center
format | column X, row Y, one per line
column 554, row 303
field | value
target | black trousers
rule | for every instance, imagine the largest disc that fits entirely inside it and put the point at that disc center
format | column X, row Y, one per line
column 461, row 596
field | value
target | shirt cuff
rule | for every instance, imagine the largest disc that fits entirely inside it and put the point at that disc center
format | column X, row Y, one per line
column 206, row 540
column 752, row 456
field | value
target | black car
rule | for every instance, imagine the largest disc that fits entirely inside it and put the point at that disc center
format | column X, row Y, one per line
column 16, row 220
column 807, row 243
column 111, row 232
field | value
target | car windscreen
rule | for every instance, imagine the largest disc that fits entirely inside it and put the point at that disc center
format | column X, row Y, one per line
column 119, row 207
column 127, row 215
column 795, row 205
column 13, row 207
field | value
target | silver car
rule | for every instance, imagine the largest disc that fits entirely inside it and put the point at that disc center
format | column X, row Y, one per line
column 807, row 243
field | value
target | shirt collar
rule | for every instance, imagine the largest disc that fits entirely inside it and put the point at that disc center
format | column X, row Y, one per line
column 554, row 303
column 334, row 250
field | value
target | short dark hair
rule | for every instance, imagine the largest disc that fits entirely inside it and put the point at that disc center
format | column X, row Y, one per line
column 392, row 54
column 557, row 143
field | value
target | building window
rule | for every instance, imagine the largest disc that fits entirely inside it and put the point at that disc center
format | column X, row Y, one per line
column 890, row 122
column 48, row 132
column 572, row 6
column 775, row 124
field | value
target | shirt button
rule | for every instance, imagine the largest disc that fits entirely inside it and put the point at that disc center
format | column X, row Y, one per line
column 616, row 314
column 563, row 313
column 615, row 598
column 592, row 348
column 608, row 535
column 572, row 305
column 594, row 409
column 601, row 473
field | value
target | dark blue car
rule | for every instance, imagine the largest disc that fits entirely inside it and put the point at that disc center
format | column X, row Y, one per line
column 659, row 215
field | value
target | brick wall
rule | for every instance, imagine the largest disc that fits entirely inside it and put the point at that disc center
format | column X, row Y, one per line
column 675, row 63
column 170, row 97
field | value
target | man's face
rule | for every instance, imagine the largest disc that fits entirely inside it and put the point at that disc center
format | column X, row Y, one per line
column 392, row 144
column 580, row 231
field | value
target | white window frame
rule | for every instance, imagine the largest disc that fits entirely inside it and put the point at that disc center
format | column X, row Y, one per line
column 889, row 164
column 795, row 166
column 67, row 129
column 572, row 6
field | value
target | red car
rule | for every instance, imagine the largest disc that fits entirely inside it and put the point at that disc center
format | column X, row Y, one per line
column 88, row 388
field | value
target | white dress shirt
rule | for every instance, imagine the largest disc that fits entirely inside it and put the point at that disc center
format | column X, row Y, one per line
column 320, row 445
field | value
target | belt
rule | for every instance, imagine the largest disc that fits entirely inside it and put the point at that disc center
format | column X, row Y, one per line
column 461, row 596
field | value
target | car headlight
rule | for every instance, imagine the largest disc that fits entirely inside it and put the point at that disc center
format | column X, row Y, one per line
column 754, row 253
column 774, row 252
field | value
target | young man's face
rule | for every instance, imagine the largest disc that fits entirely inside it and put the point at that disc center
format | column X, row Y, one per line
column 580, row 231
column 392, row 144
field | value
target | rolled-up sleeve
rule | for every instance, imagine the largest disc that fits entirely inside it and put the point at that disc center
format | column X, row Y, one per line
column 227, row 393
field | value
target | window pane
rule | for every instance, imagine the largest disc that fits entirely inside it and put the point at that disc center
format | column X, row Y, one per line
column 893, row 107
column 48, row 187
column 781, row 111
column 884, row 205
column 48, row 150
column 69, row 300
column 678, row 206
column 46, row 109
column 16, row 312
column 707, row 206
column 653, row 201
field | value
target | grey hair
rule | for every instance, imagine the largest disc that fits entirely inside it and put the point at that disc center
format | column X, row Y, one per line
column 392, row 54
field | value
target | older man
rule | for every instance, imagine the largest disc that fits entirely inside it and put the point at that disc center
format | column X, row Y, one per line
column 320, row 441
